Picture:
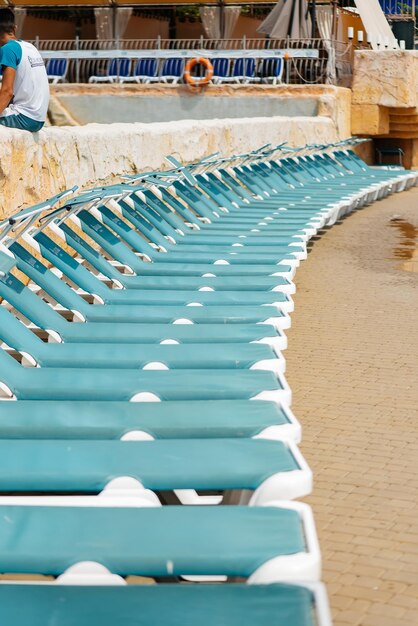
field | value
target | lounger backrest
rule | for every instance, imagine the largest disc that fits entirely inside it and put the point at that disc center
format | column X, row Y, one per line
column 159, row 218
column 279, row 183
column 338, row 168
column 198, row 201
column 88, row 252
column 160, row 207
column 231, row 194
column 108, row 241
column 245, row 177
column 244, row 67
column 153, row 217
column 146, row 68
column 8, row 365
column 266, row 173
column 57, row 67
column 173, row 67
column 221, row 67
column 137, row 219
column 42, row 276
column 14, row 333
column 271, row 68
column 330, row 166
column 125, row 231
column 240, row 189
column 214, row 191
column 286, row 172
column 7, row 263
column 186, row 213
column 351, row 161
column 223, row 185
column 68, row 265
column 297, row 172
column 29, row 304
column 209, row 540
column 312, row 169
column 119, row 67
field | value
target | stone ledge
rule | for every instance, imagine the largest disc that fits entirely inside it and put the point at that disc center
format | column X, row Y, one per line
column 34, row 167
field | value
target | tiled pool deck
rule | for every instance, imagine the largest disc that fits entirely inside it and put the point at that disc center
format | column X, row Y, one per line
column 352, row 364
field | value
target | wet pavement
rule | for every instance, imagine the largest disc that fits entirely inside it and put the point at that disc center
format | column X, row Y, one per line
column 407, row 248
column 353, row 368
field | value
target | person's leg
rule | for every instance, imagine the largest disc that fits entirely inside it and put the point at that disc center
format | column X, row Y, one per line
column 21, row 122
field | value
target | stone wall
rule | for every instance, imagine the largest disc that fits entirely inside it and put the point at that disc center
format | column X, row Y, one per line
column 385, row 90
column 387, row 78
column 34, row 167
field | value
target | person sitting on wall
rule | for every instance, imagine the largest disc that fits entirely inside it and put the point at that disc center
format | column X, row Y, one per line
column 24, row 93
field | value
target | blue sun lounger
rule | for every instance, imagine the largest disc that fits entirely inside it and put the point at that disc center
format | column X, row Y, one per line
column 51, row 325
column 31, row 306
column 82, row 277
column 18, row 382
column 90, row 225
column 35, row 352
column 96, row 420
column 124, row 533
column 69, row 604
column 163, row 270
column 246, row 471
column 204, row 281
column 128, row 313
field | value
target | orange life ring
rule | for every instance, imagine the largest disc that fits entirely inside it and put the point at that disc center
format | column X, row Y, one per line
column 194, row 81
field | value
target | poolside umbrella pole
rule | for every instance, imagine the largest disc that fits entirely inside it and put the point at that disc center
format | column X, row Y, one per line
column 313, row 18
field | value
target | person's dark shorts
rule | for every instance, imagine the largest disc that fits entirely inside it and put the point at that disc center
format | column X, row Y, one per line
column 22, row 122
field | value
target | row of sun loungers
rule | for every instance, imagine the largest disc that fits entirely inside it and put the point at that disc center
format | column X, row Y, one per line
column 153, row 70
column 146, row 435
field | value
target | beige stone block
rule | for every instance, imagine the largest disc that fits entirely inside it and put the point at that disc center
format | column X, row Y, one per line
column 386, row 78
column 336, row 104
column 369, row 119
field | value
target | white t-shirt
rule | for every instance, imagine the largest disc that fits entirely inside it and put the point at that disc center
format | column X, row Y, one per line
column 31, row 87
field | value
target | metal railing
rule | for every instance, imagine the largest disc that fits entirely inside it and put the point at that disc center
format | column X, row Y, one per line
column 398, row 9
column 307, row 61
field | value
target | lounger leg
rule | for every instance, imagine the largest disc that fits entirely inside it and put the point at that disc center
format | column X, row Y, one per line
column 237, row 497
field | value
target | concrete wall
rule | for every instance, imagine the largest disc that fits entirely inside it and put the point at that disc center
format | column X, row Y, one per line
column 149, row 109
column 34, row 167
column 107, row 103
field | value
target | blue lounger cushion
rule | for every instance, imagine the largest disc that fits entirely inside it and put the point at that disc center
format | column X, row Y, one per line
column 273, row 469
column 112, row 384
column 148, row 605
column 207, row 356
column 49, row 419
column 128, row 540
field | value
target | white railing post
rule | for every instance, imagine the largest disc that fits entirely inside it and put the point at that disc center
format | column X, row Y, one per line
column 77, row 61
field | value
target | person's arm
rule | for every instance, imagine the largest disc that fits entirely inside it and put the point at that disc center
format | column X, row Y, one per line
column 6, row 91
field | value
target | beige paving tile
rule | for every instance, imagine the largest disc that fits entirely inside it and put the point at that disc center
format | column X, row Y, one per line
column 352, row 365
